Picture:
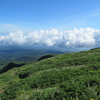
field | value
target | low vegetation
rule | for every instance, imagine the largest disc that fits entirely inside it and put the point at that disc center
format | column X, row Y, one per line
column 72, row 76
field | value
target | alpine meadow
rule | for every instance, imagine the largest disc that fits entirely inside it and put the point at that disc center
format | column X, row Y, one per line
column 71, row 76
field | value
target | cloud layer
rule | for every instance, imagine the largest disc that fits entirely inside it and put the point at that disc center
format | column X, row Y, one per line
column 87, row 37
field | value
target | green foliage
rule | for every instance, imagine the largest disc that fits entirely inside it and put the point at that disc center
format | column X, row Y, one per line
column 47, row 94
column 73, row 76
column 10, row 66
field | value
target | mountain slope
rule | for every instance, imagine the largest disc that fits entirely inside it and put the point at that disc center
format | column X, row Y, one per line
column 72, row 76
column 10, row 66
column 24, row 53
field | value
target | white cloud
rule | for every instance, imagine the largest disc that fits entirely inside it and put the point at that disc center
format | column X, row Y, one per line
column 87, row 37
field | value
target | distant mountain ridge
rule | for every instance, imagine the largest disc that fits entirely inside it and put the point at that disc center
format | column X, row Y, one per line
column 24, row 53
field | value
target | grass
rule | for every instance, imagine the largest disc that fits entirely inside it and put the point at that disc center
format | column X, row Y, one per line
column 72, row 76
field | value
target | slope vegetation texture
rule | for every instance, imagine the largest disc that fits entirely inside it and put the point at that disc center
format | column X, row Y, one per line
column 72, row 76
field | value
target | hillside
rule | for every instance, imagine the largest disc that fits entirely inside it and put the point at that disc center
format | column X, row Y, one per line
column 72, row 76
column 24, row 53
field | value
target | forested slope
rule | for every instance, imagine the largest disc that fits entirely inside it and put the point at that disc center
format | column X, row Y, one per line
column 72, row 76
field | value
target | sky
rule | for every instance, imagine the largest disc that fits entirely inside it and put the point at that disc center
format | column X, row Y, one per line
column 62, row 23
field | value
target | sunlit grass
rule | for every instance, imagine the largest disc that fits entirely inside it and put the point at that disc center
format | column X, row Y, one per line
column 73, row 76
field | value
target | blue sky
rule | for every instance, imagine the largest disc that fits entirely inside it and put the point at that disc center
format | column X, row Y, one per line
column 30, row 15
column 63, row 23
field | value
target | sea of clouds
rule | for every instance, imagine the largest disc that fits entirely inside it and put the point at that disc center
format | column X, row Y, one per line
column 87, row 37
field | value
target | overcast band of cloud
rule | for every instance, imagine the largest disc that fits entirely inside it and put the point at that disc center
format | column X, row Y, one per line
column 87, row 37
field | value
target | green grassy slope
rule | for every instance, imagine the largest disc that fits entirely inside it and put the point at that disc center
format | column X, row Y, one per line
column 72, row 76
